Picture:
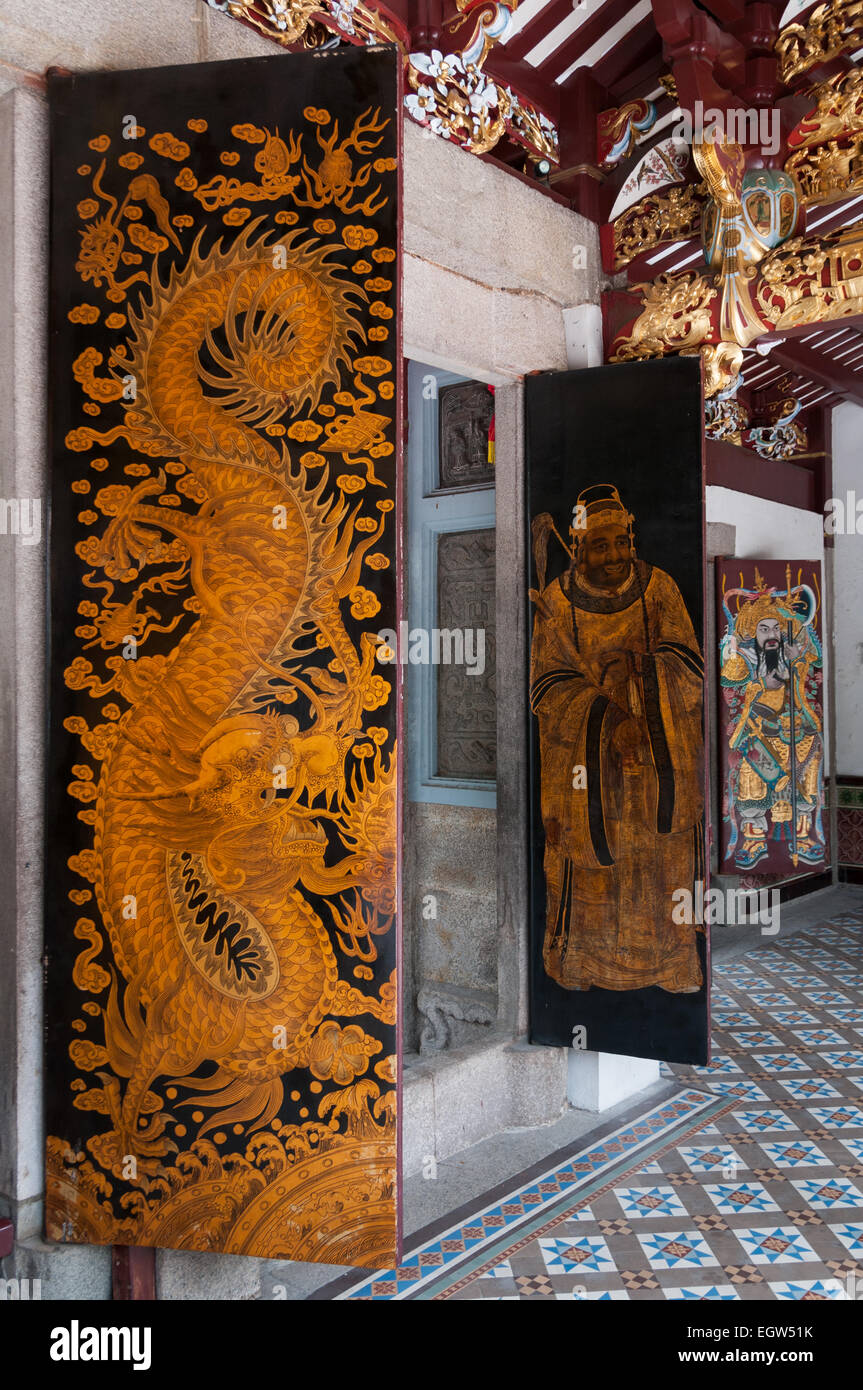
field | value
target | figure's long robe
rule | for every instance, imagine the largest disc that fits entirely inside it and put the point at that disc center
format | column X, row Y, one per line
column 617, row 849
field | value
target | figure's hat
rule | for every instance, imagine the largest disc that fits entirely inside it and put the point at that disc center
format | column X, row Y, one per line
column 763, row 608
column 763, row 605
column 602, row 504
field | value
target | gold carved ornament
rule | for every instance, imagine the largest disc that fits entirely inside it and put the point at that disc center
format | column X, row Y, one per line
column 678, row 311
column 828, row 159
column 451, row 93
column 290, row 22
column 722, row 165
column 676, row 314
column 831, row 29
column 806, row 282
column 721, row 364
column 455, row 98
column 674, row 214
column 802, row 282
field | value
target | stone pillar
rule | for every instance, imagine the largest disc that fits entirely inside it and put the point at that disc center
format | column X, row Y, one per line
column 23, row 304
column 512, row 726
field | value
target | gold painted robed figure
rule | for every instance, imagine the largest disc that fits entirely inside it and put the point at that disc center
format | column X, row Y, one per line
column 617, row 687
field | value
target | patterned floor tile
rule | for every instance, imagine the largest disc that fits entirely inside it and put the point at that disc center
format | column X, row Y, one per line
column 529, row 1286
column 734, row 1018
column 714, row 1292
column 750, row 1178
column 638, row 1202
column 734, row 1198
column 838, row 1117
column 756, row 1037
column 828, row 1192
column 846, row 1060
column 776, row 1245
column 585, row 1253
column 851, row 1236
column 636, row 1279
column 826, row 997
column 746, row 1090
column 710, row 1221
column 677, row 1250
column 799, row 1153
column 782, row 1061
column 788, row 1018
column 709, row 1160
column 764, row 1121
column 744, row 1274
column 811, row 1087
column 844, row 1015
column 719, row 1063
column 819, row 1037
column 806, row 1289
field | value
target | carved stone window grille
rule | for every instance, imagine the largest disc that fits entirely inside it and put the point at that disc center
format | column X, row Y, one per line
column 465, row 413
column 466, row 704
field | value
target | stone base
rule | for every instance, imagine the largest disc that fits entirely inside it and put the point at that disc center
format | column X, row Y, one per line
column 66, row 1273
column 462, row 1096
column 598, row 1080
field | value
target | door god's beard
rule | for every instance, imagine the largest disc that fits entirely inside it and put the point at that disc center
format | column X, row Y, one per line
column 771, row 660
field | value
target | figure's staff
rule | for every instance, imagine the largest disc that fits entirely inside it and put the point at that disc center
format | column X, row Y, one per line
column 792, row 748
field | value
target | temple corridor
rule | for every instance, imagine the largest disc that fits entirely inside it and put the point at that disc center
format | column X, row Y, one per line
column 742, row 1181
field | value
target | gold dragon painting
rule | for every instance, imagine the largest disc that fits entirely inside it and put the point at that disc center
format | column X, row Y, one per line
column 221, row 924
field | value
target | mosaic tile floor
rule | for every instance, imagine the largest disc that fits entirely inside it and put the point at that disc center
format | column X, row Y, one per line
column 746, row 1184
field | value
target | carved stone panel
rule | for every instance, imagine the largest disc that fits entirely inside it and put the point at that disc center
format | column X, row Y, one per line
column 466, row 705
column 466, row 411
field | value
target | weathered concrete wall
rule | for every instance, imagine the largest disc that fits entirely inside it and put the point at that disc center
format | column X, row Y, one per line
column 490, row 264
column 450, row 856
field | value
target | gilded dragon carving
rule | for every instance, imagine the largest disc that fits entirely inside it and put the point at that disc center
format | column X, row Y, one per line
column 237, row 780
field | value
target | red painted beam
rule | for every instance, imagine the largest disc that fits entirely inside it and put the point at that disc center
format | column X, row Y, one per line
column 537, row 29
column 776, row 480
column 640, row 270
column 636, row 48
column 525, row 81
column 589, row 33
column 823, row 218
column 641, row 80
column 728, row 12
column 707, row 63
column 800, row 357
column 582, row 99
